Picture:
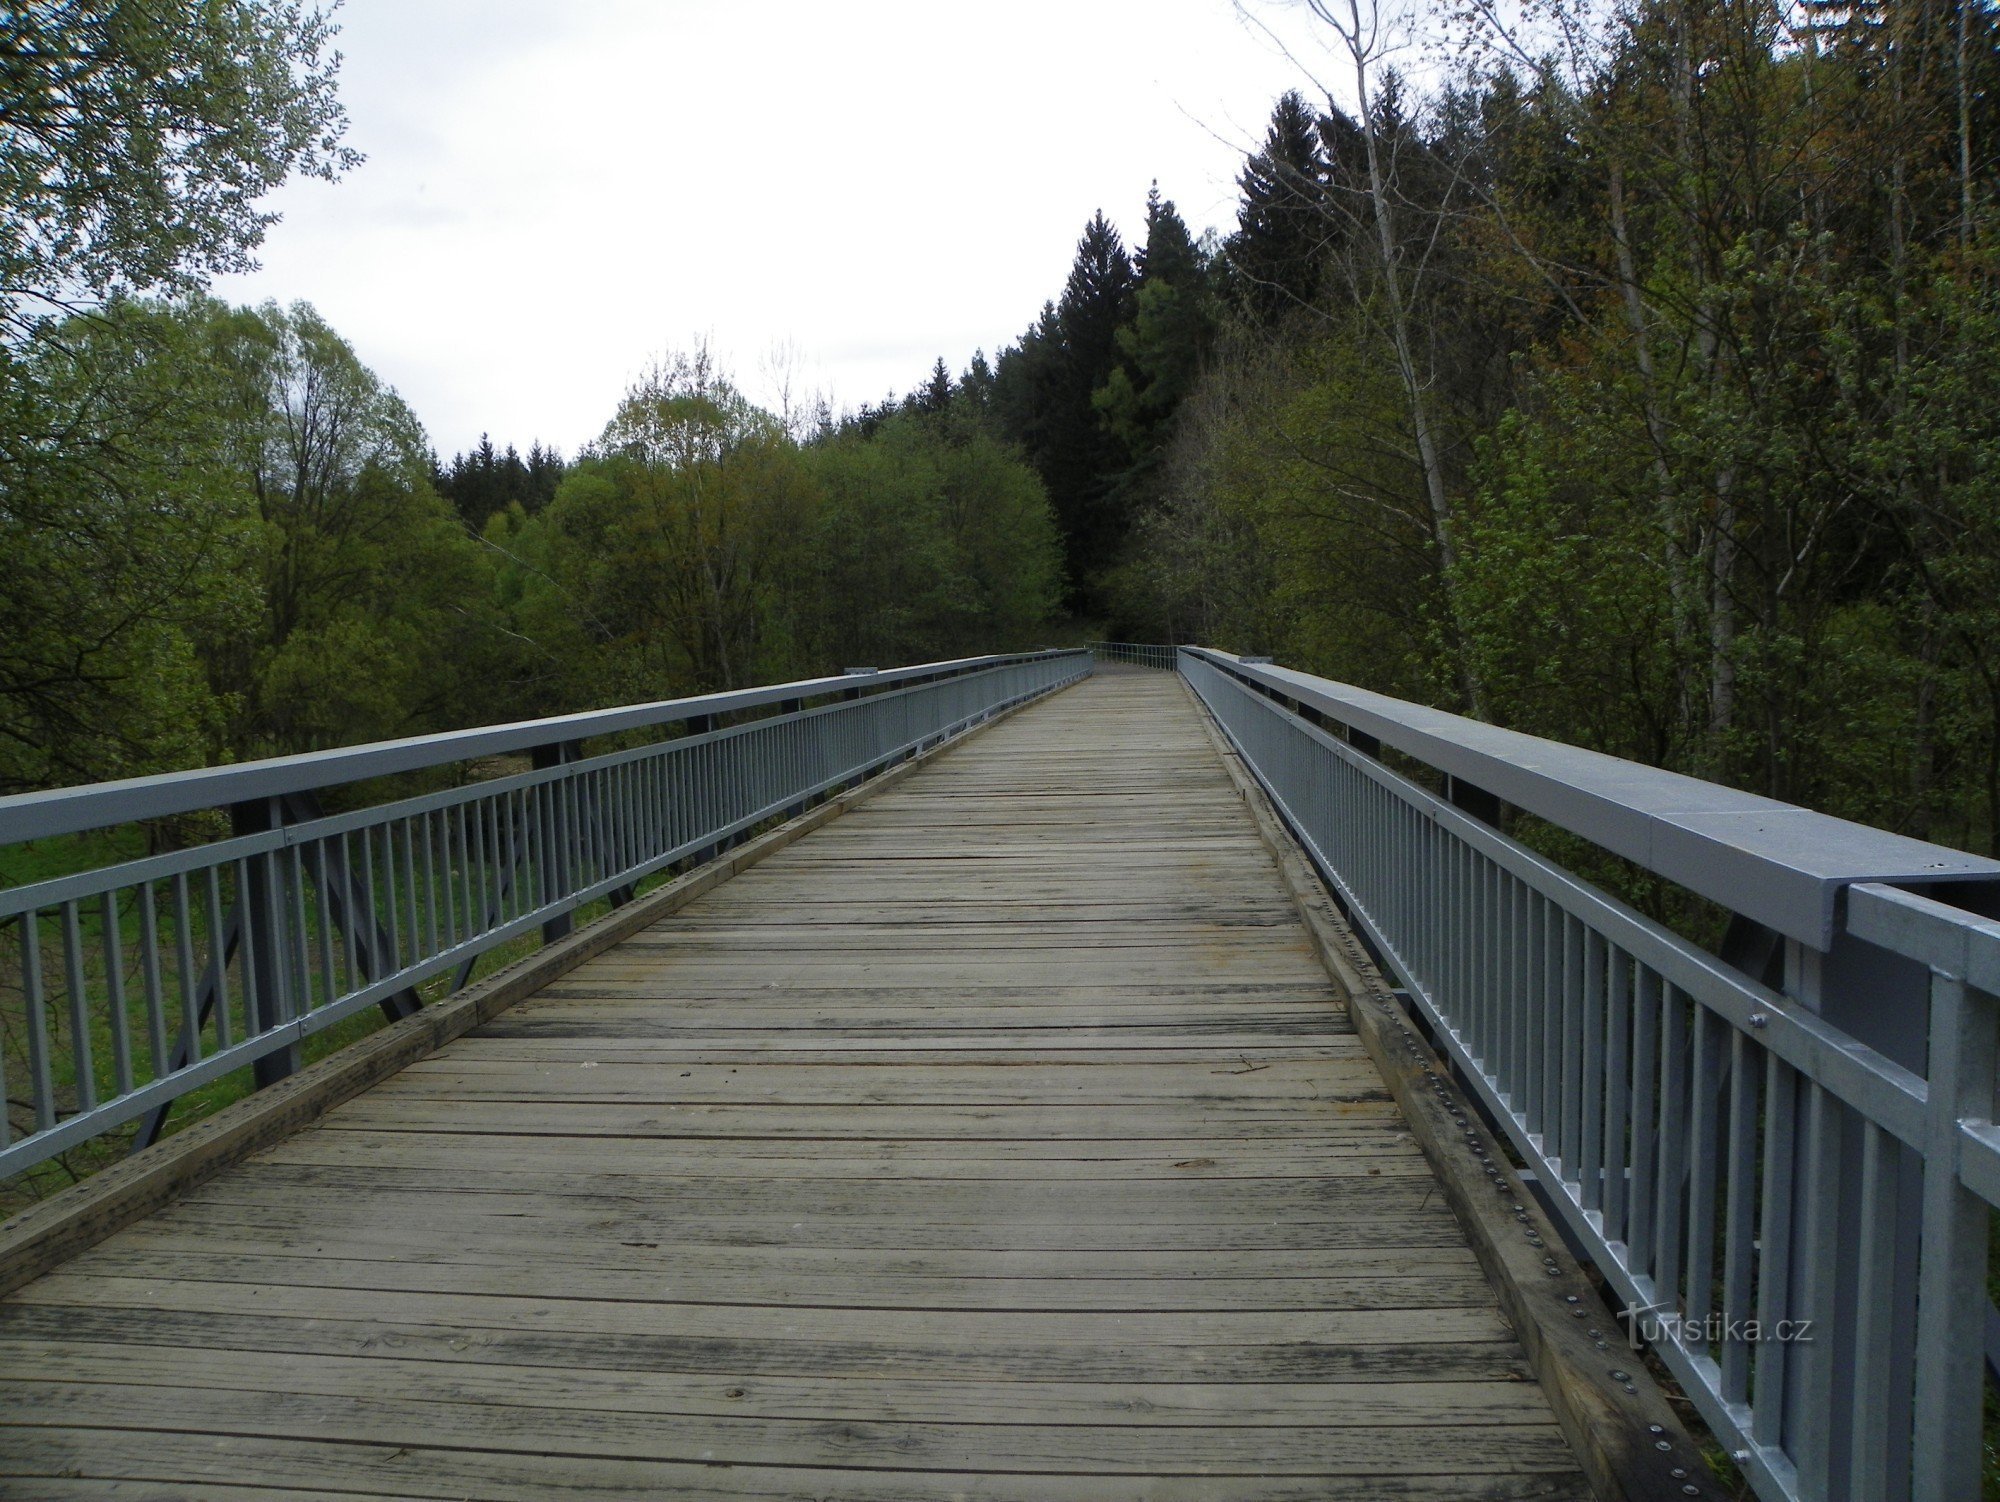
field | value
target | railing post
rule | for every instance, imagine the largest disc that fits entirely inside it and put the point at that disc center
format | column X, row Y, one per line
column 1951, row 1270
column 1476, row 801
column 263, row 908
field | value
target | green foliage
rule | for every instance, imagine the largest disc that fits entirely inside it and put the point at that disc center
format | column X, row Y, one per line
column 698, row 546
column 135, row 140
column 1045, row 390
column 1650, row 406
column 927, row 545
column 127, row 541
column 1277, row 255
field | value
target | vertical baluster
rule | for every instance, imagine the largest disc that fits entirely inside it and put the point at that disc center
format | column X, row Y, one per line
column 1668, row 1220
column 448, row 891
column 1812, row 1441
column 430, row 886
column 1465, row 1000
column 351, row 930
column 322, row 875
column 627, row 843
column 41, row 1066
column 1479, row 995
column 253, row 970
column 371, row 910
column 1875, row 1316
column 1534, row 958
column 507, row 894
column 293, row 871
column 1739, row 1223
column 493, row 877
column 410, row 938
column 78, row 995
column 1774, row 1253
column 1642, row 1253
column 1521, row 967
column 1572, row 1051
column 190, row 987
column 218, row 955
column 1704, row 1148
column 593, row 797
column 527, row 836
column 1590, row 1148
column 1617, row 1095
column 467, row 886
column 114, row 985
column 149, row 969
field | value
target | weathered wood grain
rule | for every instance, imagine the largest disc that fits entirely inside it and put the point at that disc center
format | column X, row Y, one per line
column 1005, row 1140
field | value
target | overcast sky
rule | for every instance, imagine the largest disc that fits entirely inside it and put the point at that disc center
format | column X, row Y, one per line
column 559, row 191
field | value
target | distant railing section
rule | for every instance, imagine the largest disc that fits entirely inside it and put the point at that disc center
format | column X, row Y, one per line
column 1134, row 654
column 1783, row 1156
column 125, row 987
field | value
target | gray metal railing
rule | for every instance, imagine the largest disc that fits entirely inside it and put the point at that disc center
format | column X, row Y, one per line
column 1781, row 1156
column 132, row 984
column 1134, row 654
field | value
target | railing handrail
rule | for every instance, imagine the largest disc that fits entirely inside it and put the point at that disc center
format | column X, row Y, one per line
column 1773, row 862
column 99, row 805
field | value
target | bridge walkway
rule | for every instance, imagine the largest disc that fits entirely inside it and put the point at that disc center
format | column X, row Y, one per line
column 1002, row 1140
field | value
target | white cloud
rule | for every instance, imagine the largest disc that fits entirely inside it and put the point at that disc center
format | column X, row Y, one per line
column 555, row 194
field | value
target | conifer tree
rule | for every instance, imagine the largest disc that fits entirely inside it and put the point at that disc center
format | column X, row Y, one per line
column 1162, row 347
column 1046, row 388
column 1278, row 252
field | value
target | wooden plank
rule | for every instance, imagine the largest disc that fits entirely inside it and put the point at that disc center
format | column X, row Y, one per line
column 690, row 1276
column 1006, row 1140
column 1189, row 1448
column 379, row 1470
column 1255, row 1405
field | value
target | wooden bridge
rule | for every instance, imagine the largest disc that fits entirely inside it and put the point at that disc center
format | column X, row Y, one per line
column 1006, row 1138
column 1010, row 1080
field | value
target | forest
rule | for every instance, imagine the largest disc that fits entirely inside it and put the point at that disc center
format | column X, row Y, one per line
column 1626, row 374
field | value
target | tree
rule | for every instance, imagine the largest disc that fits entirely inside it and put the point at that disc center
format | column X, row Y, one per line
column 135, row 140
column 1046, row 389
column 368, row 583
column 1279, row 248
column 674, row 528
column 127, row 541
column 1162, row 349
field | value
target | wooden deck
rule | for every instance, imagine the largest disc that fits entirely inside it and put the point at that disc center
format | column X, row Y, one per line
column 1002, row 1140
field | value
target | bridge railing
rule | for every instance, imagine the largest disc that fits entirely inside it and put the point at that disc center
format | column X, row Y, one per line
column 1782, row 1155
column 1134, row 654
column 126, row 986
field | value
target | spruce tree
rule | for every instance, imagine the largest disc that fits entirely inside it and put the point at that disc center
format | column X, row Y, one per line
column 1162, row 347
column 1278, row 252
column 1045, row 388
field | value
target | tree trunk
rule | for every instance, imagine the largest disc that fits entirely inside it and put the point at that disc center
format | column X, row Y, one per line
column 1443, row 522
